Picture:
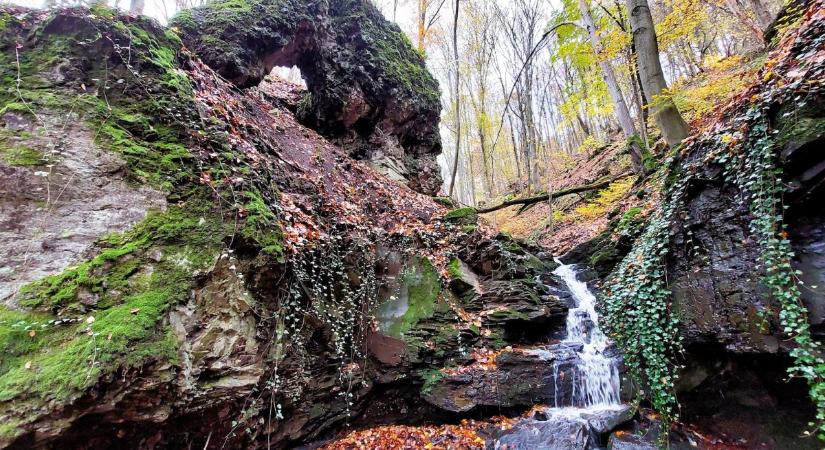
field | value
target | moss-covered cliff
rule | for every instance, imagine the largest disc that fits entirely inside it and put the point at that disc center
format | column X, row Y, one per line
column 185, row 263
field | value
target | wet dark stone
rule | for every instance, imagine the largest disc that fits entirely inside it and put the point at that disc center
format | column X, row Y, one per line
column 562, row 430
column 519, row 379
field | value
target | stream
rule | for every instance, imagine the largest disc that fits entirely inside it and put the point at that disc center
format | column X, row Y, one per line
column 596, row 380
column 576, row 421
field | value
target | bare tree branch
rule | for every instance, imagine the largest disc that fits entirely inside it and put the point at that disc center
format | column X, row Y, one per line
column 523, row 66
column 544, row 197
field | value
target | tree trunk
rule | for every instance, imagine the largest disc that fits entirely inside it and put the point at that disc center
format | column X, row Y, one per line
column 619, row 104
column 665, row 112
column 638, row 97
column 530, row 128
column 515, row 148
column 457, row 99
column 422, row 27
column 136, row 6
column 471, row 182
column 489, row 182
column 526, row 201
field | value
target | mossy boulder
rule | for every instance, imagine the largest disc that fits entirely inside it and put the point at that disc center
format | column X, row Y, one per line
column 104, row 115
column 445, row 201
column 462, row 216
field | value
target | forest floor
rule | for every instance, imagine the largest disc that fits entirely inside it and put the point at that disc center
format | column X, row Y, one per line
column 575, row 219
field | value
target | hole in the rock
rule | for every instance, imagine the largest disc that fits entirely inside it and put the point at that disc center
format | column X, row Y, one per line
column 291, row 74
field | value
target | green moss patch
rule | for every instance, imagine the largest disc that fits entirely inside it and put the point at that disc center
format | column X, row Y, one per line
column 431, row 377
column 454, row 269
column 135, row 278
column 463, row 216
column 630, row 224
column 21, row 155
column 262, row 226
column 509, row 314
column 445, row 201
column 420, row 289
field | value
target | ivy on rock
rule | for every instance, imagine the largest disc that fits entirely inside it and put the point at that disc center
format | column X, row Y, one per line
column 638, row 309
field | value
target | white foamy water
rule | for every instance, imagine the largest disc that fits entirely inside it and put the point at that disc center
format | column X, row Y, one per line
column 596, row 376
column 587, row 403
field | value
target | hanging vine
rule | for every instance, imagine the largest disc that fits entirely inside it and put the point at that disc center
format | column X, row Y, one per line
column 637, row 307
column 752, row 167
column 331, row 287
column 637, row 304
column 338, row 281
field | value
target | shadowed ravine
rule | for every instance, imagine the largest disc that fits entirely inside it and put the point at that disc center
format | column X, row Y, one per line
column 197, row 254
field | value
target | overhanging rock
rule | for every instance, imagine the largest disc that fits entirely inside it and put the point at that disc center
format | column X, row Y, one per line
column 369, row 89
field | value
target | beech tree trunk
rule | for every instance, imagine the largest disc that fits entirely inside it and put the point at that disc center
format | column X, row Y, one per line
column 136, row 6
column 457, row 99
column 619, row 104
column 667, row 116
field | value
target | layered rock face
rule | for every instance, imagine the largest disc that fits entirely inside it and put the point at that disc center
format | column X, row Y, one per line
column 716, row 274
column 730, row 322
column 369, row 90
column 211, row 273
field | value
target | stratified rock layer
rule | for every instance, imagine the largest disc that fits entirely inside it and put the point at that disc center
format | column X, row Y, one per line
column 259, row 288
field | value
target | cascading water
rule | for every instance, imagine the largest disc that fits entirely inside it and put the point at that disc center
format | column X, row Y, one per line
column 596, row 375
column 586, row 383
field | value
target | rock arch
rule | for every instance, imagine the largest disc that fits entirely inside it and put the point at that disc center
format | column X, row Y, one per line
column 369, row 89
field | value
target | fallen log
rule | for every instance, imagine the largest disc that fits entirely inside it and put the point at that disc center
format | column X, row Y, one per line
column 560, row 193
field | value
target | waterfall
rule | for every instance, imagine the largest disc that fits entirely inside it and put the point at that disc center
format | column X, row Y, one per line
column 587, row 401
column 596, row 374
